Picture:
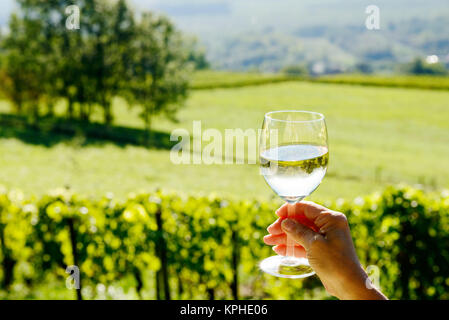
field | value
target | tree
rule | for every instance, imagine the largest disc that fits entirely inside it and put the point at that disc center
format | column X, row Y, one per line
column 111, row 29
column 54, row 51
column 420, row 67
column 87, row 63
column 295, row 70
column 196, row 55
column 110, row 55
column 363, row 67
column 22, row 64
column 159, row 68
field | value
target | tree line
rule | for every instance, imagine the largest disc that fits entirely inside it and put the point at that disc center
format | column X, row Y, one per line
column 141, row 57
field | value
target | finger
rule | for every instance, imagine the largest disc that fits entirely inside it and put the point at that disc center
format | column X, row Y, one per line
column 276, row 228
column 282, row 250
column 273, row 240
column 299, row 233
column 331, row 219
column 300, row 217
column 310, row 209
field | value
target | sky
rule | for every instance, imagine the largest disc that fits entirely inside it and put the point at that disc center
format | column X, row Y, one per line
column 201, row 15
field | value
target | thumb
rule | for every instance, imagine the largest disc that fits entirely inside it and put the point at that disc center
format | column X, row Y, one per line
column 299, row 233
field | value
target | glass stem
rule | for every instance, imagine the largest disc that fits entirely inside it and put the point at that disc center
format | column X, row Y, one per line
column 290, row 252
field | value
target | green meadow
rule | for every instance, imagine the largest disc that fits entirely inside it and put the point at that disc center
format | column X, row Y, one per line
column 377, row 136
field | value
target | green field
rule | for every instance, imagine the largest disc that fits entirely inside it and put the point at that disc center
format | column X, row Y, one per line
column 377, row 136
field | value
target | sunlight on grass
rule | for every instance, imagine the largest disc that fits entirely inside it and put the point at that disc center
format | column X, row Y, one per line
column 377, row 136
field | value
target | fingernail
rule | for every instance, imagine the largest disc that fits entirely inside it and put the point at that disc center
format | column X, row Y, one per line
column 288, row 225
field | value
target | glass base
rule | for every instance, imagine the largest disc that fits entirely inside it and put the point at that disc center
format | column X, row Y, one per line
column 287, row 267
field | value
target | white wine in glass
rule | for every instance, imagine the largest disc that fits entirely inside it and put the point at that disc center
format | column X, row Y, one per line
column 293, row 160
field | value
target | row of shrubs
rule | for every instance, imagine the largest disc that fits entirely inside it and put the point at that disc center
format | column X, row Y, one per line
column 398, row 81
column 217, row 79
column 208, row 79
column 202, row 247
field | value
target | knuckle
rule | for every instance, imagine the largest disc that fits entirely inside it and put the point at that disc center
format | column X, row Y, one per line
column 340, row 218
column 316, row 242
column 301, row 232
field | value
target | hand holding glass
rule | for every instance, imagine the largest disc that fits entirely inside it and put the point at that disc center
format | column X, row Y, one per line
column 293, row 160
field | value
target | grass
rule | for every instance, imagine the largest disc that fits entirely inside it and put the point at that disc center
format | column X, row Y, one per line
column 378, row 136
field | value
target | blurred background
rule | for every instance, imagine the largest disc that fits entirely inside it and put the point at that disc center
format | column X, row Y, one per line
column 88, row 104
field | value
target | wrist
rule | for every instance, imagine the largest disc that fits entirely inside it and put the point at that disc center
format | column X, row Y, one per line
column 358, row 286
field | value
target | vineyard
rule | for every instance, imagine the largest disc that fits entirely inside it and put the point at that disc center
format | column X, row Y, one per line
column 95, row 110
column 167, row 246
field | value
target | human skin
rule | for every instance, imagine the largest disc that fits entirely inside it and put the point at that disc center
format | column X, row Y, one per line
column 330, row 250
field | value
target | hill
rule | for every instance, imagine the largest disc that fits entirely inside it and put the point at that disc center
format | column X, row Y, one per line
column 267, row 35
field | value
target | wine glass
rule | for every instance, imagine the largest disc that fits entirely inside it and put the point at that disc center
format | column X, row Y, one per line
column 293, row 160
